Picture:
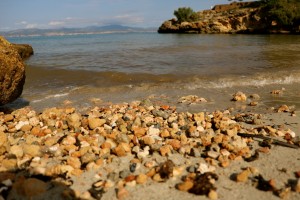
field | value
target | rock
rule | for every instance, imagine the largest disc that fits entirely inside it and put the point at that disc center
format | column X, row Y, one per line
column 17, row 151
column 231, row 18
column 141, row 178
column 24, row 50
column 9, row 164
column 243, row 176
column 213, row 154
column 74, row 120
column 191, row 99
column 74, row 162
column 122, row 193
column 297, row 187
column 3, row 139
column 165, row 150
column 12, row 76
column 32, row 150
column 95, row 122
column 204, row 168
column 213, row 195
column 139, row 131
column 239, row 96
column 185, row 186
column 28, row 188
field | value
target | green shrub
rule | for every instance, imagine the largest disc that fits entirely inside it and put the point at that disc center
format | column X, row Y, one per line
column 185, row 14
column 285, row 12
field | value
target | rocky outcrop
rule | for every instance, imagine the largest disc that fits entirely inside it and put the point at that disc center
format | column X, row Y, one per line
column 212, row 21
column 24, row 50
column 12, row 70
column 231, row 18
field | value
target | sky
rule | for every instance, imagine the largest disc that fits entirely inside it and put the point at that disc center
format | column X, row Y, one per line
column 20, row 14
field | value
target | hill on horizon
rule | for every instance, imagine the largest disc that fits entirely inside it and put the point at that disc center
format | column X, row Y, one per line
column 74, row 31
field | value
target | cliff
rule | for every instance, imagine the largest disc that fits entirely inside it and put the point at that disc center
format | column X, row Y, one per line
column 12, row 70
column 242, row 17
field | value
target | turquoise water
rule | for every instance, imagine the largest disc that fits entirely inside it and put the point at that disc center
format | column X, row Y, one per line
column 123, row 65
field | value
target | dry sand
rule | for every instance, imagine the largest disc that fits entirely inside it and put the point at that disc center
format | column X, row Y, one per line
column 279, row 164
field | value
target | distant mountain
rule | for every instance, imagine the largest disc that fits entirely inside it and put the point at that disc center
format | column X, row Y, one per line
column 74, row 31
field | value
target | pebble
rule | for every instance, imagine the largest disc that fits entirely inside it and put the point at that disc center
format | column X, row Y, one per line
column 239, row 96
column 185, row 186
column 95, row 122
column 17, row 151
column 141, row 178
column 126, row 144
column 32, row 150
column 213, row 195
column 243, row 176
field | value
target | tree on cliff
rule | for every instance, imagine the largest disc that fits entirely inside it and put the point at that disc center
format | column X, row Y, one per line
column 284, row 12
column 185, row 14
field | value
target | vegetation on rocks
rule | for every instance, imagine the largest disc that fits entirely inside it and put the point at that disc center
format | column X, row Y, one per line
column 185, row 14
column 265, row 16
column 285, row 12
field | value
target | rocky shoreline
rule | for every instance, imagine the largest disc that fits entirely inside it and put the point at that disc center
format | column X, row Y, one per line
column 236, row 17
column 123, row 151
column 12, row 68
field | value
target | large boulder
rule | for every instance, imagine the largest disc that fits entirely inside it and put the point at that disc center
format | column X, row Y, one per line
column 12, row 70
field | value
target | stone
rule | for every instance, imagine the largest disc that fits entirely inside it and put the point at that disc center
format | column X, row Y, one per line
column 213, row 154
column 74, row 162
column 24, row 50
column 32, row 150
column 74, row 120
column 297, row 187
column 17, row 151
column 3, row 139
column 204, row 168
column 213, row 195
column 8, row 118
column 9, row 164
column 243, row 176
column 141, row 178
column 88, row 157
column 95, row 122
column 165, row 150
column 175, row 144
column 185, row 186
column 148, row 140
column 122, row 193
column 239, row 96
column 29, row 188
column 152, row 131
column 12, row 76
column 119, row 150
column 139, row 131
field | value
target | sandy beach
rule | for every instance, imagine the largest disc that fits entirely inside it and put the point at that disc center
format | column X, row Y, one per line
column 151, row 150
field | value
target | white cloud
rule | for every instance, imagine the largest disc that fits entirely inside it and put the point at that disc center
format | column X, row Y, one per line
column 125, row 19
column 31, row 26
column 56, row 23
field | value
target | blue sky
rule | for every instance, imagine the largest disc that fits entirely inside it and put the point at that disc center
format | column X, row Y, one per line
column 17, row 14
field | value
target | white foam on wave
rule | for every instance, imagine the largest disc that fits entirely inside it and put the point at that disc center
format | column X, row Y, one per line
column 257, row 81
column 50, row 97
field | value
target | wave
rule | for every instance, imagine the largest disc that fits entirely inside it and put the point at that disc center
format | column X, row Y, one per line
column 50, row 97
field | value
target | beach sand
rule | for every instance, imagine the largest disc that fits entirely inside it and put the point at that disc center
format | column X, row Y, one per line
column 151, row 149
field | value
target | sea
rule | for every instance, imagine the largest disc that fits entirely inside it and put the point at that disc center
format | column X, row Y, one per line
column 95, row 69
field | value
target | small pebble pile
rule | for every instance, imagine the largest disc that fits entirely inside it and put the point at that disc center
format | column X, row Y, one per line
column 39, row 151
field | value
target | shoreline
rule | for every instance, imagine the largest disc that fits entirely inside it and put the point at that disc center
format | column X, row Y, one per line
column 147, row 149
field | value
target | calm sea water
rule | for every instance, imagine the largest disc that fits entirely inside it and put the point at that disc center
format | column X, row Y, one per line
column 128, row 66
